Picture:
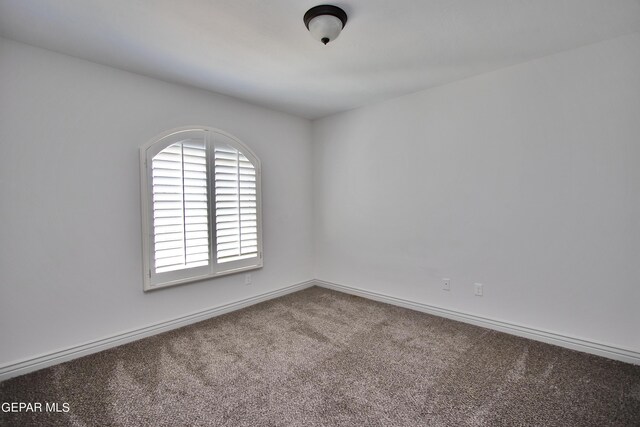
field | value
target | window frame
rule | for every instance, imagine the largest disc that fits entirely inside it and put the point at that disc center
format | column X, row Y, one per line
column 152, row 280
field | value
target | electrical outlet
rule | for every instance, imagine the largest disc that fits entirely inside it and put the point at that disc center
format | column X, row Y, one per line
column 477, row 289
column 446, row 284
column 247, row 279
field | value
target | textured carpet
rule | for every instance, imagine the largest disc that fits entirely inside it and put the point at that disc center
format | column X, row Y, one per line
column 319, row 357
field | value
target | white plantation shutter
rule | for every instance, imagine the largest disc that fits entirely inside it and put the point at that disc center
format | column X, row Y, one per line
column 201, row 207
column 236, row 212
column 180, row 212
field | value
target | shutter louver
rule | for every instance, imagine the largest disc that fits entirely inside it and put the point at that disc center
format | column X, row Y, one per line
column 180, row 212
column 236, row 205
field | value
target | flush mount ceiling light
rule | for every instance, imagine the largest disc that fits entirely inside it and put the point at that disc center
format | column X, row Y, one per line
column 325, row 22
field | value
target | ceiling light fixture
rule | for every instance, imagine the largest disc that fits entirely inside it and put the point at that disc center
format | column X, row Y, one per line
column 325, row 22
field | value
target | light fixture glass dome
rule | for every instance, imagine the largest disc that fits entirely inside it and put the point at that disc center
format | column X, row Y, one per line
column 325, row 22
column 325, row 28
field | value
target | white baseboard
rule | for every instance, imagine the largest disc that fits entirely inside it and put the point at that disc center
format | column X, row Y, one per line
column 25, row 366
column 52, row 358
column 573, row 343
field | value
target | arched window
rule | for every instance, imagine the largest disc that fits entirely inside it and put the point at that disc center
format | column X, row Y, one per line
column 201, row 207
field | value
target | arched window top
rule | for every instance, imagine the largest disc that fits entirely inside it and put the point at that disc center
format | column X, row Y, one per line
column 201, row 206
column 161, row 141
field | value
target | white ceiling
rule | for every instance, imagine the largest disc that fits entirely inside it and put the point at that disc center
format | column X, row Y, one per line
column 259, row 50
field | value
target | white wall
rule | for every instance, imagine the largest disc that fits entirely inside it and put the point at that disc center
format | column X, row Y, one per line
column 526, row 180
column 70, row 241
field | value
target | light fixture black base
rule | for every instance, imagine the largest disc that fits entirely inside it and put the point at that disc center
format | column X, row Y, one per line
column 325, row 9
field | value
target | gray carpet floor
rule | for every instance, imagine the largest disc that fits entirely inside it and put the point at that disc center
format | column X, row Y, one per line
column 319, row 357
